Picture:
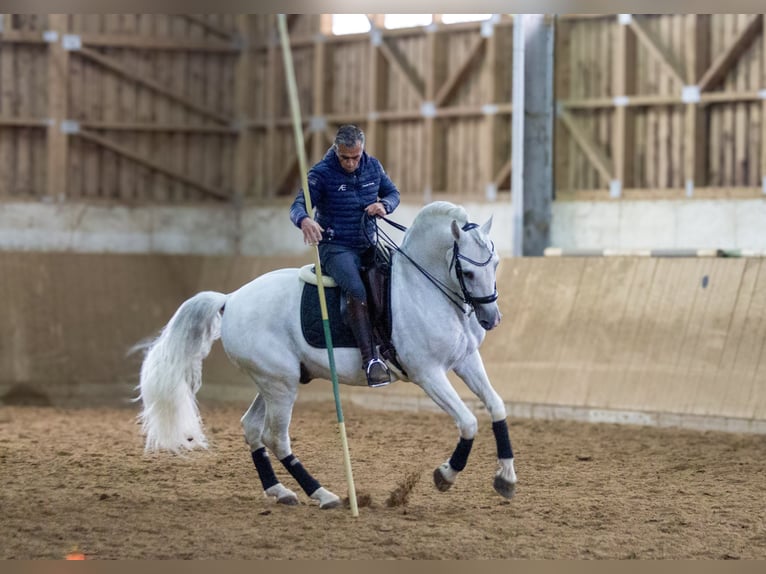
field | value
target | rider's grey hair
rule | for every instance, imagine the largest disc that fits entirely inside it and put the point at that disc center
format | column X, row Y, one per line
column 348, row 136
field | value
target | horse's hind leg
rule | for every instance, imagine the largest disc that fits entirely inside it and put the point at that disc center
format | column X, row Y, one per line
column 252, row 424
column 276, row 437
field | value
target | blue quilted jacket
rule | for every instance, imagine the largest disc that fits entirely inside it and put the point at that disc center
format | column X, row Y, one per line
column 340, row 198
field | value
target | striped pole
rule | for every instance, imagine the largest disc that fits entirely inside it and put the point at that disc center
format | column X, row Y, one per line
column 301, row 150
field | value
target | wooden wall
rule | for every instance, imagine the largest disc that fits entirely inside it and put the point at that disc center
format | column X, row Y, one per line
column 192, row 108
column 623, row 118
column 148, row 100
column 655, row 340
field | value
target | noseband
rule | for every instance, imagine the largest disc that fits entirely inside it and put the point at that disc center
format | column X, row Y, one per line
column 456, row 258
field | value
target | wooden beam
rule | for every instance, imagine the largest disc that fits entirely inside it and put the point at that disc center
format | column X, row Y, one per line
column 156, row 43
column 151, row 164
column 119, row 69
column 591, row 149
column 58, row 141
column 723, row 63
column 412, row 80
column 24, row 122
column 619, row 88
column 503, row 173
column 657, row 49
column 454, row 80
column 208, row 26
column 159, row 128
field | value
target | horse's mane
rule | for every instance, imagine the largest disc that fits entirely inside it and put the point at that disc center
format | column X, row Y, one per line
column 429, row 217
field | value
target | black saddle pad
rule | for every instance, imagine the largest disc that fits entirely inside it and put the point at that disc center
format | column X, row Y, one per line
column 311, row 318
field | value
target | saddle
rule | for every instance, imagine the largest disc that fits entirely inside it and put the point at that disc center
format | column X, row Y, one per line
column 377, row 282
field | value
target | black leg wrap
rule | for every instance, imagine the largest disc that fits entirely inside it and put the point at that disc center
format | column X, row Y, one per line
column 504, row 450
column 308, row 483
column 263, row 466
column 460, row 457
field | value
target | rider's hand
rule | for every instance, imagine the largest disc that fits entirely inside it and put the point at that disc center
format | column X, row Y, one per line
column 312, row 231
column 376, row 209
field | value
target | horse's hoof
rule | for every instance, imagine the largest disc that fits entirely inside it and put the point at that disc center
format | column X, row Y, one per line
column 325, row 498
column 442, row 484
column 504, row 487
column 330, row 504
column 288, row 500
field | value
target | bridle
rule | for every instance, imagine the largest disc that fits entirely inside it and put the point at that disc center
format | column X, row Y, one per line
column 457, row 256
column 460, row 300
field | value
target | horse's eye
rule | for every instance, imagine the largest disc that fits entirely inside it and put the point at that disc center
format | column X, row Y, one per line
column 468, row 275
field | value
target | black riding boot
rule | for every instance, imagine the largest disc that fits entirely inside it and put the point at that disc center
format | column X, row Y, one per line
column 359, row 321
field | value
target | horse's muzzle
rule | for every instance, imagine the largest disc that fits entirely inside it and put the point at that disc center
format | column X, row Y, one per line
column 489, row 323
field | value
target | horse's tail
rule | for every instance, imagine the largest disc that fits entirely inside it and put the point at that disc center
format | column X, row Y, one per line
column 171, row 374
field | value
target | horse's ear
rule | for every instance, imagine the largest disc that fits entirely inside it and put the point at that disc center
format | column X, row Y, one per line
column 487, row 226
column 455, row 230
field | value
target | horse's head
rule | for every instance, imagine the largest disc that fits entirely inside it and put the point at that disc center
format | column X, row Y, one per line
column 473, row 260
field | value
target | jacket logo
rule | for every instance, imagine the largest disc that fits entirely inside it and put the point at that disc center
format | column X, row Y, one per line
column 342, row 187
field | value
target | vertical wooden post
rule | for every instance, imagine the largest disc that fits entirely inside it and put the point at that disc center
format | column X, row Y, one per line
column 58, row 143
column 623, row 126
column 697, row 61
column 763, row 109
column 242, row 81
column 487, row 144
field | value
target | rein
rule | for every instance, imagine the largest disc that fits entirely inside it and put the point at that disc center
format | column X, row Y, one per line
column 454, row 297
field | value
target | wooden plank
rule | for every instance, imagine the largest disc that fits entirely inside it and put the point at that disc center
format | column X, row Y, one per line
column 429, row 124
column 156, row 166
column 244, row 146
column 453, row 81
column 727, row 143
column 763, row 114
column 487, row 144
column 272, row 89
column 655, row 46
column 115, row 67
column 735, row 47
column 156, row 44
column 58, row 76
column 109, row 180
column 740, row 117
column 144, row 113
column 127, row 109
column 318, row 87
column 755, row 352
column 591, row 149
column 619, row 89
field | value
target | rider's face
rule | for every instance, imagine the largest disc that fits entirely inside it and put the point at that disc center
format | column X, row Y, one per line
column 349, row 157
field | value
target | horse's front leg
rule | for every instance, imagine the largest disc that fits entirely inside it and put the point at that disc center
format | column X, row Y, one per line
column 437, row 386
column 472, row 371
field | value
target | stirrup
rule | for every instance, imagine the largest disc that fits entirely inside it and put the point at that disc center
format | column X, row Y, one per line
column 378, row 382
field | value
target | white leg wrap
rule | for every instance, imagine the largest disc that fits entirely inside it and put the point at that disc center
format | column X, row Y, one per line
column 449, row 473
column 325, row 498
column 506, row 471
column 282, row 494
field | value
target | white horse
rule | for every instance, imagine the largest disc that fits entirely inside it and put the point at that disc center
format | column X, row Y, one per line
column 443, row 299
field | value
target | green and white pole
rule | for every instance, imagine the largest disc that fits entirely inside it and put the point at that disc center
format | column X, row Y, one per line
column 301, row 150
